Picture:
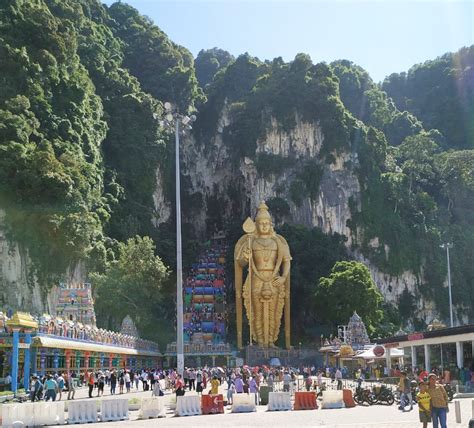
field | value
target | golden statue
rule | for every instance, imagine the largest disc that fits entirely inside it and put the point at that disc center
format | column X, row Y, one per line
column 266, row 291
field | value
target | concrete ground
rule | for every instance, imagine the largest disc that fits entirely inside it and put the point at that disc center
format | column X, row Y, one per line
column 358, row 417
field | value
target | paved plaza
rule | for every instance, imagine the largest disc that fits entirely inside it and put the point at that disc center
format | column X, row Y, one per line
column 358, row 417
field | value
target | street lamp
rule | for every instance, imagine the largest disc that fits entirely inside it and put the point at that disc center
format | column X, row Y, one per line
column 172, row 121
column 447, row 246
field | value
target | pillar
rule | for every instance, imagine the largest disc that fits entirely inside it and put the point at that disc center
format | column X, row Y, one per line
column 43, row 361
column 110, row 361
column 16, row 340
column 198, row 360
column 388, row 359
column 413, row 357
column 213, row 361
column 34, row 356
column 460, row 354
column 27, row 361
column 86, row 361
column 227, row 359
column 56, row 360
column 427, row 358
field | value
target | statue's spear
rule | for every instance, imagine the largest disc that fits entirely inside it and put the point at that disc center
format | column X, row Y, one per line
column 249, row 228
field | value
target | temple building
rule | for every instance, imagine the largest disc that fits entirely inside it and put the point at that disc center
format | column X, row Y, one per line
column 69, row 341
column 74, row 302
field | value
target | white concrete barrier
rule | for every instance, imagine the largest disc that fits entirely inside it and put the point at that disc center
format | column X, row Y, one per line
column 188, row 405
column 49, row 413
column 153, row 408
column 18, row 414
column 332, row 400
column 114, row 409
column 243, row 403
column 82, row 411
column 279, row 401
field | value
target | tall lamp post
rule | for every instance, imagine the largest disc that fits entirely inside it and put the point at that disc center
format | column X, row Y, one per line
column 447, row 246
column 180, row 123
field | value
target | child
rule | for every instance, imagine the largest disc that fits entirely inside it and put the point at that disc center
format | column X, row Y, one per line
column 424, row 404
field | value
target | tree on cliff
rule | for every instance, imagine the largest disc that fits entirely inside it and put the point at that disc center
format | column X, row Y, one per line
column 132, row 285
column 349, row 288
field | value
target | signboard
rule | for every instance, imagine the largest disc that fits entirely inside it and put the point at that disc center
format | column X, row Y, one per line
column 415, row 336
column 379, row 351
column 392, row 345
column 23, row 346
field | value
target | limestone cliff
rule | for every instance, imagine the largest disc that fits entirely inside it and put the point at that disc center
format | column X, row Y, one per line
column 20, row 288
column 239, row 187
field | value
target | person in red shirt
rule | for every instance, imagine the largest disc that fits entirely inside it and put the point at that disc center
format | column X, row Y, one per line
column 91, row 382
column 179, row 386
column 423, row 375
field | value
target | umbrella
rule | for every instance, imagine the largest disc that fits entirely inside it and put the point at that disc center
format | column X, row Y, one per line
column 220, row 369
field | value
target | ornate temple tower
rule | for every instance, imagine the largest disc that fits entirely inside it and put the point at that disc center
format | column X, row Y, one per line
column 128, row 327
column 74, row 302
column 357, row 335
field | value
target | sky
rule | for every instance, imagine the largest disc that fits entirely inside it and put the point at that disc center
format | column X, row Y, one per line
column 382, row 36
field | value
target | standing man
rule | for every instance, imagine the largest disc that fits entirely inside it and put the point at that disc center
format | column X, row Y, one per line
column 71, row 387
column 90, row 383
column 51, row 387
column 405, row 390
column 338, row 378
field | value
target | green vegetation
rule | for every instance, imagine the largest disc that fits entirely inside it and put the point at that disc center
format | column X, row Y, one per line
column 348, row 288
column 132, row 284
column 209, row 62
column 440, row 93
column 82, row 155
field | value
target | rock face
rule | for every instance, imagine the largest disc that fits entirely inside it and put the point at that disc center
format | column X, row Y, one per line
column 216, row 177
column 19, row 285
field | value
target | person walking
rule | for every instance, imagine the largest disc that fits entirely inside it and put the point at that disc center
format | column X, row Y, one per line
column 230, row 390
column 239, row 384
column 51, row 387
column 127, row 381
column 253, row 388
column 215, row 386
column 100, row 384
column 36, row 389
column 121, row 382
column 113, row 382
column 61, row 384
column 424, row 404
column 71, row 387
column 90, row 383
column 439, row 401
column 338, row 378
column 405, row 389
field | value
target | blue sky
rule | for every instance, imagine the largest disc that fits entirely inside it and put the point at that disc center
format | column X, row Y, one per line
column 381, row 36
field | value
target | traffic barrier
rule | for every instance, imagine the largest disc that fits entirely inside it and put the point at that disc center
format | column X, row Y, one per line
column 212, row 404
column 48, row 413
column 188, row 405
column 332, row 400
column 114, row 409
column 305, row 400
column 348, row 398
column 264, row 391
column 18, row 414
column 242, row 403
column 279, row 401
column 82, row 411
column 152, row 408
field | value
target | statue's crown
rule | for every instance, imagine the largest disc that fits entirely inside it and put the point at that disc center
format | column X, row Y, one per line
column 262, row 212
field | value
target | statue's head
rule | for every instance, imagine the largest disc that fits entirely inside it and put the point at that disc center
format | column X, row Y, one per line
column 263, row 220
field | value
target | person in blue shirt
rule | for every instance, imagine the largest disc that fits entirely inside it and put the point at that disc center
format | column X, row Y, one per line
column 51, row 387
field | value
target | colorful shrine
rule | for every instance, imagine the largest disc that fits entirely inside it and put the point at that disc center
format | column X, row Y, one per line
column 48, row 343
